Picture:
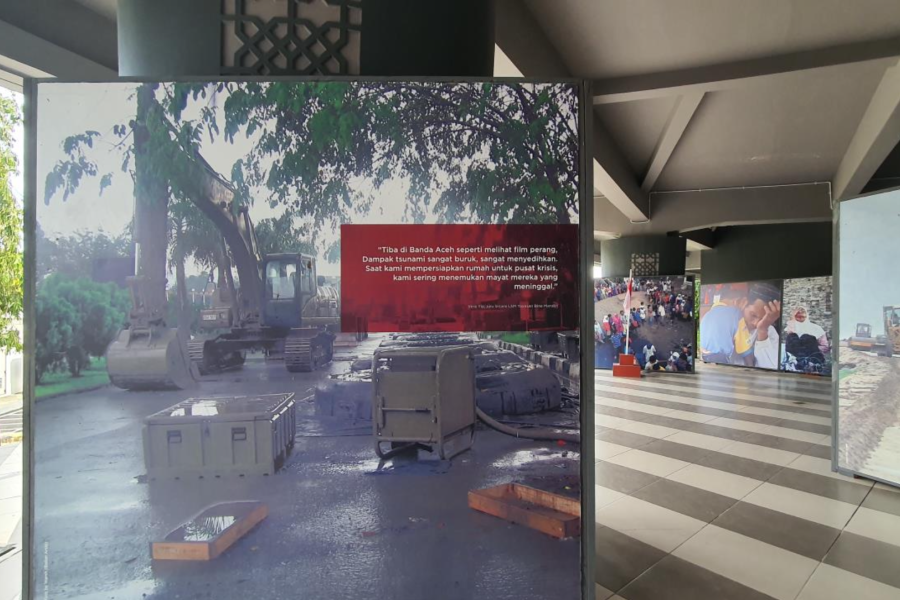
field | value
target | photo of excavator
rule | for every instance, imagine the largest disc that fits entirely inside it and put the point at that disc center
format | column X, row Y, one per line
column 193, row 261
column 280, row 307
column 887, row 344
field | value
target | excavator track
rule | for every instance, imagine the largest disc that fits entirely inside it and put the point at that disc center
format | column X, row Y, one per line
column 299, row 354
column 211, row 362
column 195, row 353
column 305, row 354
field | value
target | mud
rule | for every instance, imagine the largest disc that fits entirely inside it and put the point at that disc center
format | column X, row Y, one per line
column 868, row 431
column 341, row 524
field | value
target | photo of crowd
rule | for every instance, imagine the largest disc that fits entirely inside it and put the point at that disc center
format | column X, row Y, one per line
column 660, row 322
column 806, row 347
column 740, row 324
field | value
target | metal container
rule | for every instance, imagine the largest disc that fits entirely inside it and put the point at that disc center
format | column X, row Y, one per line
column 424, row 396
column 220, row 436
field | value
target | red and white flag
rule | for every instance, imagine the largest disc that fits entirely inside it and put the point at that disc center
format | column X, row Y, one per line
column 628, row 294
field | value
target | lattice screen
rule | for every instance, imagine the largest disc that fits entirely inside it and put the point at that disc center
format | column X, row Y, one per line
column 645, row 265
column 291, row 37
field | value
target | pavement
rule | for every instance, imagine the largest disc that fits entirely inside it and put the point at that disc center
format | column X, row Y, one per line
column 11, row 520
column 10, row 419
column 341, row 523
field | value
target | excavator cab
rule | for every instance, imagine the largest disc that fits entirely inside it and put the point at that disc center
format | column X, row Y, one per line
column 290, row 281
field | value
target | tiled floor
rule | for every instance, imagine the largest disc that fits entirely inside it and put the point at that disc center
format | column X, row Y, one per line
column 719, row 486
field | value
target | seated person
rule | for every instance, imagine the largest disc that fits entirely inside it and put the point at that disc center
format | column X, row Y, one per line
column 653, row 365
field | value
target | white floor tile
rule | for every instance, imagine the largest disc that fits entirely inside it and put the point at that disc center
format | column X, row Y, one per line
column 889, row 488
column 660, row 527
column 783, row 414
column 761, row 453
column 601, row 593
column 699, row 440
column 611, row 422
column 802, row 505
column 635, row 406
column 648, row 462
column 713, row 480
column 604, row 450
column 794, row 434
column 877, row 525
column 822, row 466
column 831, row 583
column 648, row 429
column 763, row 567
column 668, row 397
column 738, row 424
column 603, row 496
column 687, row 415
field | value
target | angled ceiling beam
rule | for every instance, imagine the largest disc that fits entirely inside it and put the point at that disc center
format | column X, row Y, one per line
column 679, row 118
column 877, row 134
column 689, row 210
column 734, row 74
column 39, row 54
column 524, row 42
column 13, row 73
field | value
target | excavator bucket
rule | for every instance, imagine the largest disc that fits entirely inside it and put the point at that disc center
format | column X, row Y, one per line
column 150, row 359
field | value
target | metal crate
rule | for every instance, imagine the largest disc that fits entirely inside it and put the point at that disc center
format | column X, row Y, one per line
column 220, row 436
column 424, row 396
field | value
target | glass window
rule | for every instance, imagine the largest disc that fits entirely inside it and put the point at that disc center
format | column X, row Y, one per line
column 281, row 280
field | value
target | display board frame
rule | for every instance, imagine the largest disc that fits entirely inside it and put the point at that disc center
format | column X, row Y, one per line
column 696, row 321
column 836, row 325
column 784, row 322
column 31, row 580
column 780, row 283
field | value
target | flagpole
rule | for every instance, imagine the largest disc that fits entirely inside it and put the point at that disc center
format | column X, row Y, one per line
column 628, row 309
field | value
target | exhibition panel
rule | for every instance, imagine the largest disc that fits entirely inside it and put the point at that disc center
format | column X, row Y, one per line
column 305, row 307
column 740, row 323
column 806, row 326
column 660, row 320
column 867, row 436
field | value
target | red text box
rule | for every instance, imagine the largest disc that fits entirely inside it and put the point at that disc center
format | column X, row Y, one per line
column 459, row 277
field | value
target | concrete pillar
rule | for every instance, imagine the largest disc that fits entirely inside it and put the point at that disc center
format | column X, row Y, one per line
column 169, row 38
column 648, row 255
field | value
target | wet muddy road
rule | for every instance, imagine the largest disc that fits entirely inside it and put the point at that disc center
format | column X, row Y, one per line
column 338, row 526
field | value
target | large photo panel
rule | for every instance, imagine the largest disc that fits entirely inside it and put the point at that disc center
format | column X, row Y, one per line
column 740, row 324
column 660, row 320
column 806, row 322
column 868, row 419
column 282, row 340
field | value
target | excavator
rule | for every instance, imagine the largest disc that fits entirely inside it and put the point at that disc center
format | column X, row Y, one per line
column 297, row 319
column 883, row 345
column 891, row 330
column 280, row 304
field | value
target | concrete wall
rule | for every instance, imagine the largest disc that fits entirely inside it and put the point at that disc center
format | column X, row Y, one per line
column 416, row 38
column 769, row 252
column 616, row 255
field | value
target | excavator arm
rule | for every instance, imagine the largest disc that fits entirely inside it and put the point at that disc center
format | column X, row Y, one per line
column 148, row 354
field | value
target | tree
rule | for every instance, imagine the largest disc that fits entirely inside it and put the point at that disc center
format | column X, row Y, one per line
column 469, row 152
column 495, row 152
column 11, row 268
column 74, row 255
column 77, row 319
column 489, row 152
column 281, row 235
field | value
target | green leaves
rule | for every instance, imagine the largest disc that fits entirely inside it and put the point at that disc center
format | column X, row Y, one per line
column 11, row 269
column 76, row 318
column 105, row 182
